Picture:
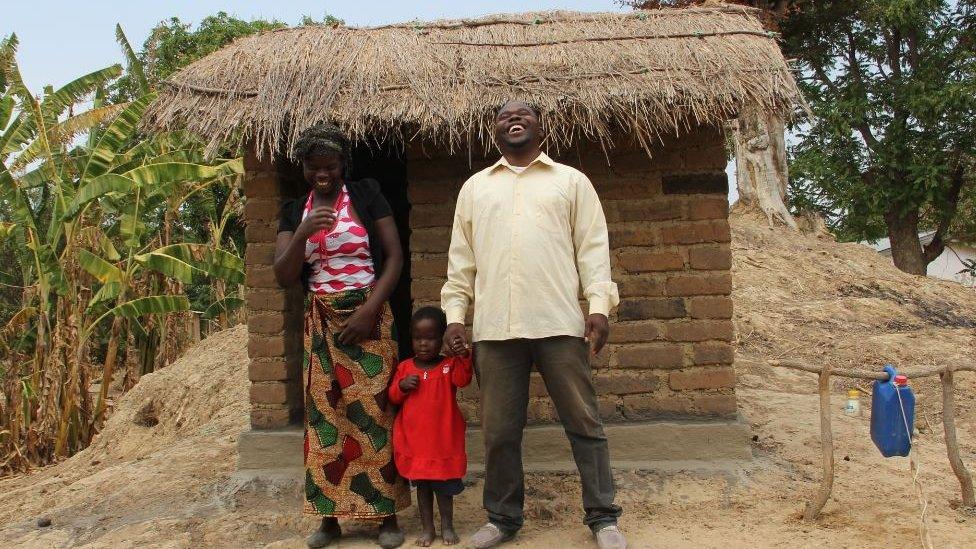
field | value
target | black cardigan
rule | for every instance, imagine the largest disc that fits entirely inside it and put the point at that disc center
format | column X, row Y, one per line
column 369, row 204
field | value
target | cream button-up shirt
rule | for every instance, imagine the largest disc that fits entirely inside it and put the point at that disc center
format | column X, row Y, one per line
column 523, row 245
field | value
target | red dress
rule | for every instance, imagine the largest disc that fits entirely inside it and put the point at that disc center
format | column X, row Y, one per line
column 428, row 433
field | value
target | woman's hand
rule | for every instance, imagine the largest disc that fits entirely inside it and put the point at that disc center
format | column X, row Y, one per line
column 359, row 326
column 321, row 217
column 409, row 383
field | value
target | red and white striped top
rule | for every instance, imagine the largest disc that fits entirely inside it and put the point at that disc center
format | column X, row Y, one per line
column 339, row 257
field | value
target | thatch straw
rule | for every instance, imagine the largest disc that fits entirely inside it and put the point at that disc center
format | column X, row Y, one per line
column 643, row 73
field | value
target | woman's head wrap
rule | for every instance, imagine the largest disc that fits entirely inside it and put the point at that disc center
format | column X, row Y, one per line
column 321, row 139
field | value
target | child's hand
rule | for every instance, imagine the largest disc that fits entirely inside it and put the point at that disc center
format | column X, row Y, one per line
column 409, row 383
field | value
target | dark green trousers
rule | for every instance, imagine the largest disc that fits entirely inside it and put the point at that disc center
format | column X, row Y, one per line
column 503, row 369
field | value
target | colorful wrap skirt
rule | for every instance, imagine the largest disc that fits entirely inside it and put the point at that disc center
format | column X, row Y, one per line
column 349, row 468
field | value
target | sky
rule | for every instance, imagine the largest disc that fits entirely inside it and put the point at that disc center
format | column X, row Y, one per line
column 63, row 39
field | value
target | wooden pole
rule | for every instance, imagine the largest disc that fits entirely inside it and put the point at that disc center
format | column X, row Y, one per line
column 952, row 445
column 814, row 506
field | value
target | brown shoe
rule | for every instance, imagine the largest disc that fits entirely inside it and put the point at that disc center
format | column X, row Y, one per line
column 609, row 537
column 490, row 535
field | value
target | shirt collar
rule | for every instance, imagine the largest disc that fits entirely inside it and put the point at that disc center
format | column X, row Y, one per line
column 543, row 158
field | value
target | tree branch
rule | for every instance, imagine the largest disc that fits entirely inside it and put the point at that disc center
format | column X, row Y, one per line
column 935, row 248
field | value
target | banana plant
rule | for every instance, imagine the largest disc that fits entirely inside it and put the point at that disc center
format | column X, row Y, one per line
column 84, row 217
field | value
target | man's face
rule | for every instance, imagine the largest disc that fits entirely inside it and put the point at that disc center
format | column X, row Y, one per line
column 516, row 126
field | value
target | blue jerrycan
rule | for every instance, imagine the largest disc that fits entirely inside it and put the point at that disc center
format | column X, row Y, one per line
column 892, row 414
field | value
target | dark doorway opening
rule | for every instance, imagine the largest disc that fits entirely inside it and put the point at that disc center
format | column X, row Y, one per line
column 387, row 163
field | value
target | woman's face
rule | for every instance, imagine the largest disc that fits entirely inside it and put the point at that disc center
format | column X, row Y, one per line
column 323, row 172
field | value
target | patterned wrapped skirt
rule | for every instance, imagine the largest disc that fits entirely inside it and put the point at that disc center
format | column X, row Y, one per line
column 349, row 468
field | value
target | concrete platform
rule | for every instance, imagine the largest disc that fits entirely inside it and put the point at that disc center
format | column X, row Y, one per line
column 651, row 445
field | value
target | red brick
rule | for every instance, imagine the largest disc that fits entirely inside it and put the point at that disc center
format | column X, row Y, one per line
column 269, row 392
column 259, row 254
column 431, row 215
column 641, row 286
column 699, row 330
column 696, row 232
column 696, row 183
column 275, row 369
column 259, row 299
column 265, row 346
column 640, row 235
column 257, row 231
column 541, row 410
column 644, row 406
column 702, row 378
column 270, row 417
column 718, row 306
column 713, row 352
column 717, row 258
column 655, row 209
column 624, row 382
column 705, row 283
column 708, row 207
column 261, row 185
column 435, row 266
column 260, row 276
column 427, row 288
column 271, row 323
column 650, row 356
column 602, row 360
column 645, row 261
column 651, row 308
column 262, row 209
column 610, row 408
column 634, row 332
column 721, row 405
column 436, row 240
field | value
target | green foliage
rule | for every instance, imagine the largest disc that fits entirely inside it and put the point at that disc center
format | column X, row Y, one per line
column 173, row 44
column 893, row 91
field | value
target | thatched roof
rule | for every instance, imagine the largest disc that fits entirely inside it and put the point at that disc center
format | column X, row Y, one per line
column 644, row 72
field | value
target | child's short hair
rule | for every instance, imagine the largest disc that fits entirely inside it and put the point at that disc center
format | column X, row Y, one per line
column 431, row 313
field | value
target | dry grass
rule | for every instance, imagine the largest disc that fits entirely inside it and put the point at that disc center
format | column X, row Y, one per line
column 641, row 74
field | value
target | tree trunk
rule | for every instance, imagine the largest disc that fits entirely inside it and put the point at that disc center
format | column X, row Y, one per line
column 760, row 164
column 906, row 250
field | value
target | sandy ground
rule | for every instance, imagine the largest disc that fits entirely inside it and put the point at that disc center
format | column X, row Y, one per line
column 161, row 473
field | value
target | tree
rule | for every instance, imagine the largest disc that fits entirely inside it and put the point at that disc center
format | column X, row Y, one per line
column 890, row 150
column 758, row 138
column 173, row 44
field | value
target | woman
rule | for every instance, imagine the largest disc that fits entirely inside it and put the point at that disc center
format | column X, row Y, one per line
column 341, row 243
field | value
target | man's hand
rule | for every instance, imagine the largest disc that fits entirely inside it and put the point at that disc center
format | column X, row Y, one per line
column 596, row 332
column 409, row 383
column 456, row 340
column 321, row 217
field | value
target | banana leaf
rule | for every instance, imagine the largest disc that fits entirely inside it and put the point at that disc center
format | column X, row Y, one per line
column 102, row 270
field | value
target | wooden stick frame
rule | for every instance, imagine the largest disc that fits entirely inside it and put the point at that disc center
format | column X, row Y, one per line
column 816, row 504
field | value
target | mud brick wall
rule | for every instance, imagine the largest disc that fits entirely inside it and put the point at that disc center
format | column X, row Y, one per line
column 274, row 315
column 670, row 351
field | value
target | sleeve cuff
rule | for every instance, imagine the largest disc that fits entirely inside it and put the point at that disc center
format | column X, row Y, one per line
column 603, row 299
column 456, row 314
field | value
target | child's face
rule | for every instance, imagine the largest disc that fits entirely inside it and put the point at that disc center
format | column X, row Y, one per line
column 427, row 339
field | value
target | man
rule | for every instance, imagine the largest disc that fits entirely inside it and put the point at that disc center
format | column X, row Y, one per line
column 527, row 233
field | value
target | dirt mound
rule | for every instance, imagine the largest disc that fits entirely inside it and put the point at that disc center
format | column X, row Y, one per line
column 160, row 474
column 204, row 392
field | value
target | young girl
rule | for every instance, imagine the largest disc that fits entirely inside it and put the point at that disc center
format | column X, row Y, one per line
column 428, row 433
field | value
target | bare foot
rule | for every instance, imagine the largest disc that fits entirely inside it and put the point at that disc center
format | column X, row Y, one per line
column 449, row 536
column 425, row 539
